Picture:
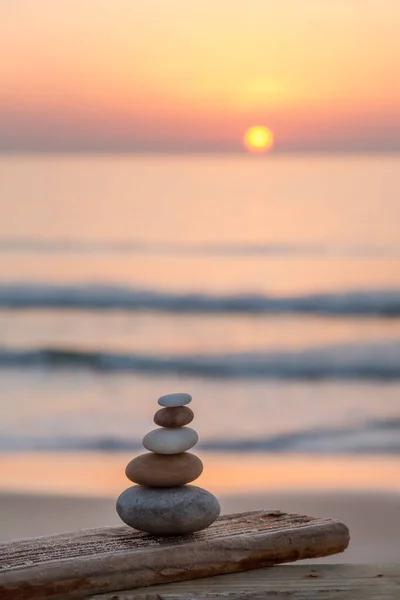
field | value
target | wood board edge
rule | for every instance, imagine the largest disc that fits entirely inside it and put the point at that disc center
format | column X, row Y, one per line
column 83, row 576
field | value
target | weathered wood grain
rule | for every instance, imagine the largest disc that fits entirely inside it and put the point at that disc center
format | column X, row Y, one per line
column 288, row 582
column 87, row 562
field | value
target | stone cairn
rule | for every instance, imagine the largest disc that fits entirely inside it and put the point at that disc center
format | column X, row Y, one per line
column 162, row 503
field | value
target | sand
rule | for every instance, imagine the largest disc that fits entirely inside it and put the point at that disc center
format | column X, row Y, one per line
column 373, row 519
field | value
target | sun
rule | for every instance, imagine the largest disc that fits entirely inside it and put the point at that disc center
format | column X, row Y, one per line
column 258, row 139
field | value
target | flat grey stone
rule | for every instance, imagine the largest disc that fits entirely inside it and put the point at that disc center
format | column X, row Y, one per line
column 178, row 399
column 168, row 511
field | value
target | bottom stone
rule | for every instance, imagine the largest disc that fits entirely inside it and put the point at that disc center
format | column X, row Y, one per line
column 168, row 511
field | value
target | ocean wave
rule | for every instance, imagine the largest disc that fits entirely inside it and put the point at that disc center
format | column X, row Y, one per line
column 372, row 437
column 102, row 246
column 341, row 362
column 368, row 303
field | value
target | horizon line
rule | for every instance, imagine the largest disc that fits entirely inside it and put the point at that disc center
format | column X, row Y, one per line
column 203, row 152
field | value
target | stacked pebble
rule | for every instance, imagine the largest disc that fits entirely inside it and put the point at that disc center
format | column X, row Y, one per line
column 162, row 503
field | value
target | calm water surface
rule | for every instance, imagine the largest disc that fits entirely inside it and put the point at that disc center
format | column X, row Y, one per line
column 269, row 289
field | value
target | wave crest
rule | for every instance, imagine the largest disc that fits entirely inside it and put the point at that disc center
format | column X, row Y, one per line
column 372, row 437
column 102, row 297
column 341, row 362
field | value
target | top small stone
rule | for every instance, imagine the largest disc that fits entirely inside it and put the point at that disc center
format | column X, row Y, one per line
column 179, row 399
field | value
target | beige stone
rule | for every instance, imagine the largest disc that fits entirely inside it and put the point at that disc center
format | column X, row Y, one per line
column 170, row 441
column 174, row 416
column 164, row 470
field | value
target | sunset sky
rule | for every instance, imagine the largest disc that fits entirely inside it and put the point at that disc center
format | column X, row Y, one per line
column 192, row 75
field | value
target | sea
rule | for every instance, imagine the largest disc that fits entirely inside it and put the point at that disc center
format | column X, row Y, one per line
column 266, row 287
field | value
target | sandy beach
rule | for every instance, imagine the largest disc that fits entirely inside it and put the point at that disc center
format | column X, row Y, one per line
column 44, row 494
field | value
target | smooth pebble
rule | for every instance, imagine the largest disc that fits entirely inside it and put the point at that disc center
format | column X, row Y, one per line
column 170, row 441
column 178, row 399
column 163, row 470
column 168, row 511
column 174, row 416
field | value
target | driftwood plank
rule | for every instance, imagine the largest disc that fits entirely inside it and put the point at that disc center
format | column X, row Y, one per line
column 289, row 582
column 92, row 561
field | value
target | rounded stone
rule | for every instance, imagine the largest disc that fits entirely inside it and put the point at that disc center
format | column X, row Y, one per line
column 174, row 416
column 178, row 399
column 168, row 511
column 170, row 441
column 163, row 470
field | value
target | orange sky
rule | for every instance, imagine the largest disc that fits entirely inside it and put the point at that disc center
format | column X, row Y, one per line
column 179, row 75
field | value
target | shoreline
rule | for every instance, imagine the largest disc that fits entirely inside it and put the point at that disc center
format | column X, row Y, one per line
column 102, row 475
